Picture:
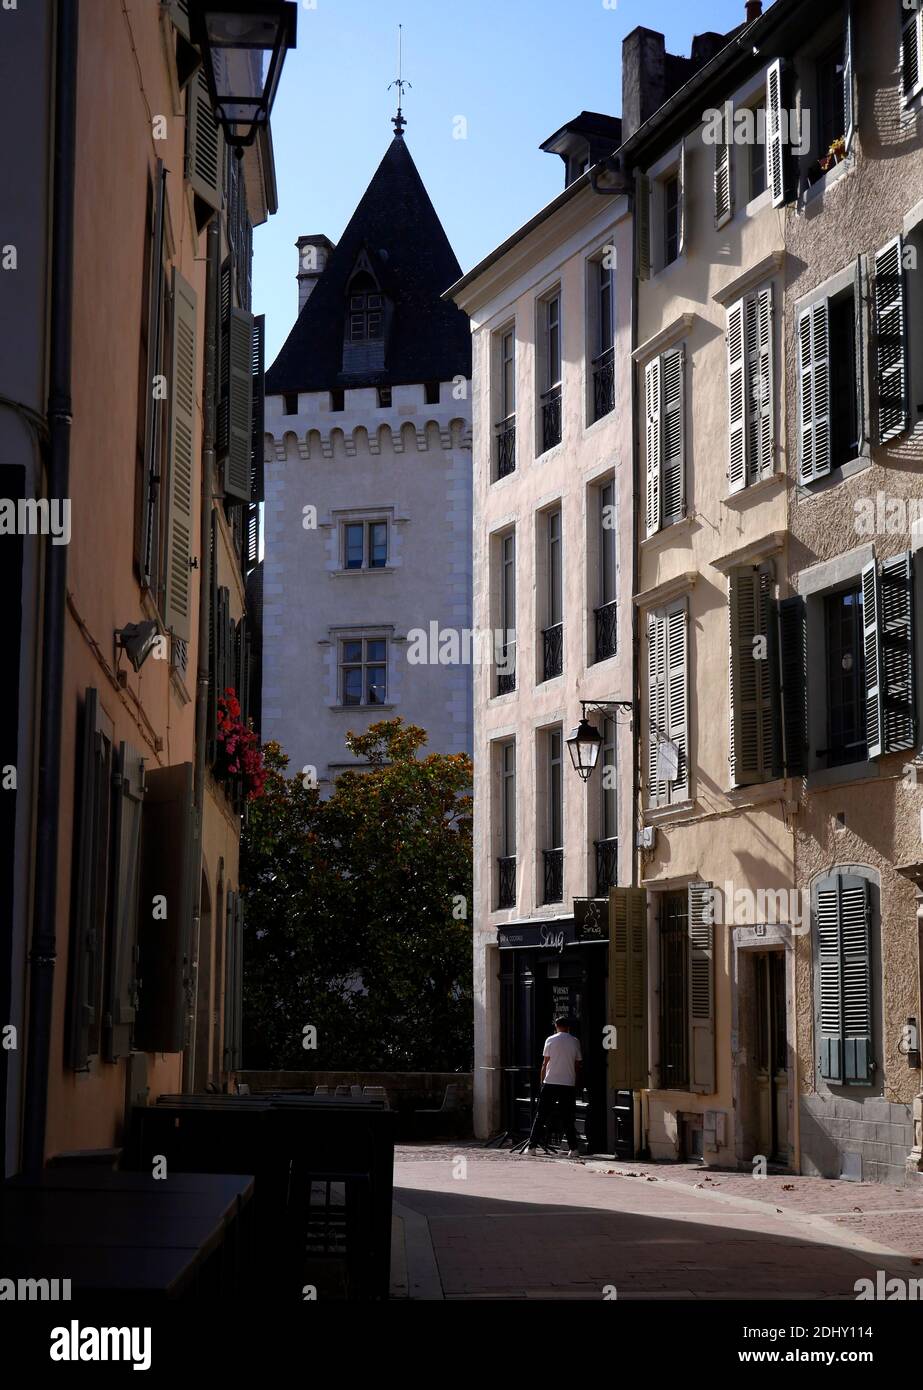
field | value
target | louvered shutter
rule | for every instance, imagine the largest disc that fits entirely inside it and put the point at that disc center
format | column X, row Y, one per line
column 242, row 679
column 657, row 704
column 677, row 696
column 155, row 365
column 911, row 51
column 701, row 989
column 775, row 133
column 793, row 685
column 872, row 650
column 628, row 987
column 178, row 592
column 240, row 405
column 683, row 193
column 224, row 370
column 849, row 92
column 814, row 392
column 179, row 14
column 169, row 863
column 122, row 984
column 890, row 342
column 749, row 603
column 724, row 192
column 91, row 885
column 737, row 424
column 204, row 144
column 212, row 634
column 898, row 654
column 642, row 212
column 860, row 299
column 257, row 447
column 843, row 921
column 653, row 436
column 673, row 499
column 761, row 446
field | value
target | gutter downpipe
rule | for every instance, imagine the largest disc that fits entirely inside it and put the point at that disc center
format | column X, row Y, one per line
column 203, row 673
column 43, row 945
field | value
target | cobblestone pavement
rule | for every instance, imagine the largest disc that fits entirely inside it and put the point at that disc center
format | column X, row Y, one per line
column 502, row 1227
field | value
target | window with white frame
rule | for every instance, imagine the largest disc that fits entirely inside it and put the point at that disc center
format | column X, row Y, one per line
column 508, row 800
column 602, row 508
column 751, row 395
column 601, row 334
column 911, row 20
column 505, row 411
column 665, row 438
column 829, row 338
column 365, row 545
column 549, row 372
column 506, row 663
column 363, row 663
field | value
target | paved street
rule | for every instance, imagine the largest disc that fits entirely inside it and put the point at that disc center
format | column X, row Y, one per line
column 477, row 1224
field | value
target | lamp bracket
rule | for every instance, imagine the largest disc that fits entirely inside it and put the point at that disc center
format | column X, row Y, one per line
column 605, row 706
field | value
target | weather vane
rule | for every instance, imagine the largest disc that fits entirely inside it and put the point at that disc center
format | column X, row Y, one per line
column 398, row 121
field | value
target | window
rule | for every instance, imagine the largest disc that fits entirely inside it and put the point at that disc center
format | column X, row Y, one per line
column 843, row 978
column 553, row 856
column 753, row 706
column 552, row 310
column 606, row 542
column 506, row 666
column 431, row 392
column 507, row 861
column 550, row 373
column 844, row 383
column 363, row 671
column 724, row 170
column 911, row 49
column 751, row 403
column 152, row 419
column 365, row 318
column 668, row 752
column 507, row 374
column 553, row 631
column 758, row 155
column 670, row 219
column 829, row 383
column 602, row 335
column 843, row 630
column 664, row 381
column 830, row 98
column 337, row 400
column 365, row 545
column 290, row 403
column 505, row 423
column 674, row 991
column 384, row 397
column 607, row 844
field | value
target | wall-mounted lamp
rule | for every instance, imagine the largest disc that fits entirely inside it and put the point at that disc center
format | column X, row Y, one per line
column 137, row 640
column 585, row 741
column 243, row 45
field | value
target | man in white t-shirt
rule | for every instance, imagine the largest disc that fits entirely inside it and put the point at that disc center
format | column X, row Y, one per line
column 562, row 1061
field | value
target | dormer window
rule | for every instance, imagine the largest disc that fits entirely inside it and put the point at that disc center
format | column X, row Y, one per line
column 366, row 310
column 366, row 320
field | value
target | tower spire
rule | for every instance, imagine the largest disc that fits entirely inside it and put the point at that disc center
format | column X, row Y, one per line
column 400, row 83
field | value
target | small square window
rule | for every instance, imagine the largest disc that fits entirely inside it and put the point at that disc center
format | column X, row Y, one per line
column 374, row 301
column 384, row 397
column 337, row 400
column 378, row 544
column 290, row 403
column 432, row 392
column 376, row 649
column 353, row 537
column 352, row 651
column 357, row 301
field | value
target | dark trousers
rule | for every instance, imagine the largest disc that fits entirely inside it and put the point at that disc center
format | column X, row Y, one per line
column 558, row 1104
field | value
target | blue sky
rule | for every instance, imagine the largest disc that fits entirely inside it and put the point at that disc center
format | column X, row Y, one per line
column 516, row 70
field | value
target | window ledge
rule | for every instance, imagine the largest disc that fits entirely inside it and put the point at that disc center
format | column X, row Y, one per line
column 593, row 426
column 550, row 453
column 817, row 191
column 363, row 709
column 806, row 492
column 662, row 815
column 757, row 793
column 684, row 524
column 378, row 569
column 768, row 484
column 836, row 776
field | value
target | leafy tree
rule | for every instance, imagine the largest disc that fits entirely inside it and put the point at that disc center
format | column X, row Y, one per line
column 357, row 911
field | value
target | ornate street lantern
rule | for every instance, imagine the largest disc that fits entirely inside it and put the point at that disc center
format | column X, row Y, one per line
column 584, row 745
column 243, row 45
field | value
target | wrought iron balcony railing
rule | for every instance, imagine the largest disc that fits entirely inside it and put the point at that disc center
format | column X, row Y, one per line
column 506, row 670
column 603, row 383
column 607, row 866
column 554, row 875
column 551, row 418
column 506, row 446
column 606, row 630
column 553, row 651
column 507, row 894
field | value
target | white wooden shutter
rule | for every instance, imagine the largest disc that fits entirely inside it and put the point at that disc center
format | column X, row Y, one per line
column 178, row 592
column 683, row 190
column 890, row 342
column 204, row 144
column 751, row 738
column 775, row 133
column 724, row 191
column 653, row 436
column 673, row 499
column 122, row 991
column 761, row 386
column 701, row 989
column 849, row 93
column 898, row 654
column 911, row 52
column 657, row 704
column 240, row 404
column 872, row 647
column 737, row 424
column 642, row 212
column 814, row 392
column 843, row 922
column 677, row 696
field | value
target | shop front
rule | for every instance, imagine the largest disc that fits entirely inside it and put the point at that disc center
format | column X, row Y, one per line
column 547, row 969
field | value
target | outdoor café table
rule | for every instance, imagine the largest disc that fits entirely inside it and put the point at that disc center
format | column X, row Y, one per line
column 117, row 1232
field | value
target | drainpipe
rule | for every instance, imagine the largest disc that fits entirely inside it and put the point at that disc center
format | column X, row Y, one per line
column 43, row 948
column 213, row 255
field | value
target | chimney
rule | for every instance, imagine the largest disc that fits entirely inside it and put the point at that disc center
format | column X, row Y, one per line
column 754, row 10
column 313, row 254
column 643, row 78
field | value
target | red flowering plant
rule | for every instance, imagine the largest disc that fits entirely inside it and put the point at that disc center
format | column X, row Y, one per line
column 238, row 753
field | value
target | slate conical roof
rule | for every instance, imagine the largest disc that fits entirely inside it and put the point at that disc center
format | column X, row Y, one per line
column 429, row 339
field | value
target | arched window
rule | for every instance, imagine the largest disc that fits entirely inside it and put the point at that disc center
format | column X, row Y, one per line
column 365, row 315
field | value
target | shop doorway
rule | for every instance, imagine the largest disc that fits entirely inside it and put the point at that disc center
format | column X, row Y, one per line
column 770, row 1056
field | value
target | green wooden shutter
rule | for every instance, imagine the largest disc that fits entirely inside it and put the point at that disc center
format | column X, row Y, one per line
column 92, row 805
column 240, row 405
column 827, row 913
column 911, row 60
column 898, row 654
column 749, row 597
column 775, row 133
column 204, row 146
column 872, row 649
column 890, row 342
column 761, row 446
column 793, row 721
column 724, row 189
column 737, row 377
column 628, row 987
column 182, row 470
column 673, row 500
column 849, row 93
column 657, row 704
column 169, row 864
column 653, row 410
column 814, row 392
column 122, row 984
column 677, row 696
column 843, row 921
column 642, row 214
column 701, row 989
